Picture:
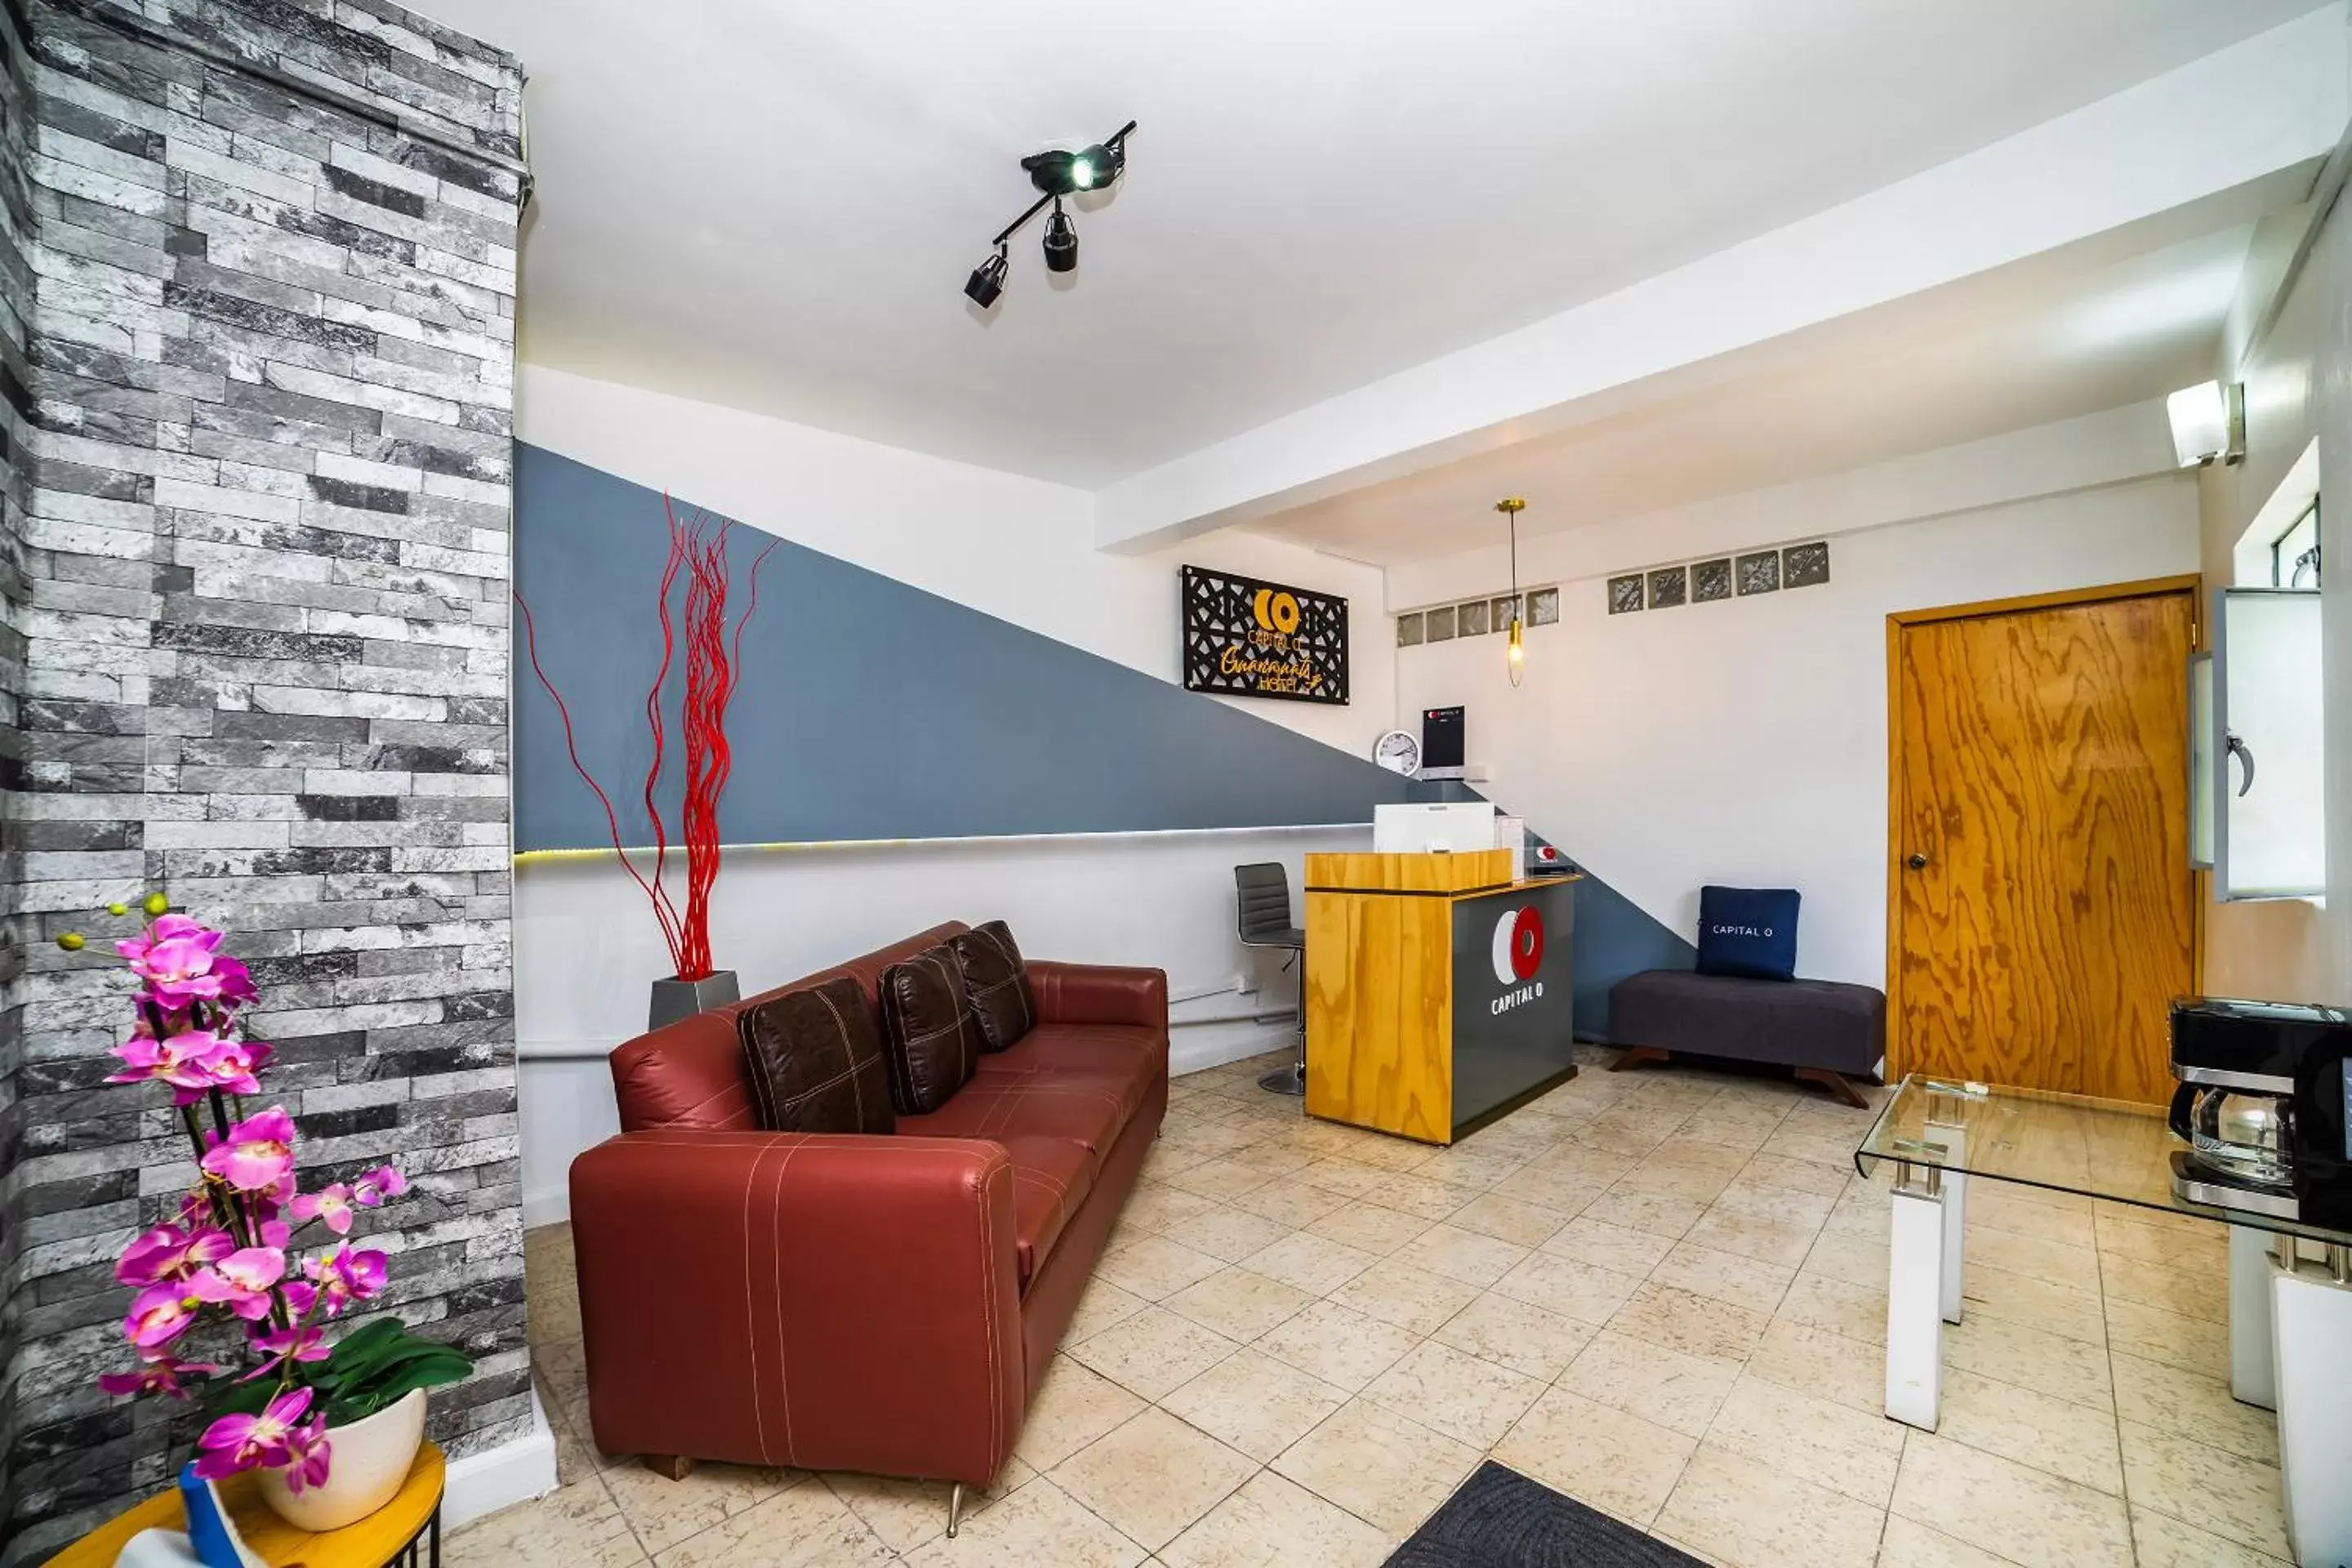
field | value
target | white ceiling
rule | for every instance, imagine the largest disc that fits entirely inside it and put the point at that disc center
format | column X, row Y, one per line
column 2097, row 325
column 774, row 203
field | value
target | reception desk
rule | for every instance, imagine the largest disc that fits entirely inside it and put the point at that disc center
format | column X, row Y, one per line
column 1437, row 990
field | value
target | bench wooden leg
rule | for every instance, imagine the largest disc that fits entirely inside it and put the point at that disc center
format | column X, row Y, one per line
column 1835, row 1083
column 670, row 1466
column 1638, row 1056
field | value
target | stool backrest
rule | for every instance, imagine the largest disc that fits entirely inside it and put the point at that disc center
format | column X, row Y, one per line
column 1263, row 891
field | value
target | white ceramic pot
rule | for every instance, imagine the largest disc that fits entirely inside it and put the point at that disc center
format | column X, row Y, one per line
column 366, row 1463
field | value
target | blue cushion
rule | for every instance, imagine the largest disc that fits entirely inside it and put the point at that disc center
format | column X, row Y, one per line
column 1750, row 932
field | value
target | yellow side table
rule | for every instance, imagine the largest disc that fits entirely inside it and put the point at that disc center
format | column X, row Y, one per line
column 393, row 1534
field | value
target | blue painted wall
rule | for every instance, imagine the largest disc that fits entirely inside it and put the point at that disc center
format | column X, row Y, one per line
column 869, row 708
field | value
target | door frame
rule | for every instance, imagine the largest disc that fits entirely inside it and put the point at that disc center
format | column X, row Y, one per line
column 2192, row 584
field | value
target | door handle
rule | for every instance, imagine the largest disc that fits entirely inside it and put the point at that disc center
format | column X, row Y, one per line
column 2245, row 755
column 1918, row 862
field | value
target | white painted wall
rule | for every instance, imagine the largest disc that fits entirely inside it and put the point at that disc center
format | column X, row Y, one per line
column 2298, row 389
column 1019, row 549
column 585, row 948
column 1745, row 742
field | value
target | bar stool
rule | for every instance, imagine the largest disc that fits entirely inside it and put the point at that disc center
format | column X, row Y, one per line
column 1262, row 892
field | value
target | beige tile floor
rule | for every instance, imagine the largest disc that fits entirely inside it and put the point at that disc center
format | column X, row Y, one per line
column 1661, row 1292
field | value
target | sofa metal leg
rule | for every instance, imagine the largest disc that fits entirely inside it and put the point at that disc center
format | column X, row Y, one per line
column 955, row 1511
column 1835, row 1083
column 671, row 1467
column 1638, row 1056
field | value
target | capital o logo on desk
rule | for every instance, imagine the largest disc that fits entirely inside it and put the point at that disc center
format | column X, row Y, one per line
column 1519, row 945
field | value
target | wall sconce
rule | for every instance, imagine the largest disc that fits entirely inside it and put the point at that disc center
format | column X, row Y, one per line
column 2208, row 421
column 1515, row 654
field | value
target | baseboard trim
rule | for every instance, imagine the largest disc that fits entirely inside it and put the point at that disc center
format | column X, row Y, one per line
column 1198, row 1055
column 502, row 1476
column 546, row 1205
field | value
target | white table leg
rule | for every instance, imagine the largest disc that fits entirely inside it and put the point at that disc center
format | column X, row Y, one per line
column 2313, row 1313
column 2252, row 1377
column 1955, row 1137
column 1915, row 1253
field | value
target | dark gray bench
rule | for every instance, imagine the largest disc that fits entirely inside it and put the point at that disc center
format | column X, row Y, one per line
column 1828, row 1030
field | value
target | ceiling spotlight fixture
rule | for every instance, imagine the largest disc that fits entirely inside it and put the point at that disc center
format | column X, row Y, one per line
column 1056, row 173
column 987, row 281
column 1060, row 241
column 1515, row 655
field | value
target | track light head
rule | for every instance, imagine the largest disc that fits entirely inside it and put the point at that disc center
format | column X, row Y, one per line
column 1061, row 242
column 987, row 281
column 1059, row 172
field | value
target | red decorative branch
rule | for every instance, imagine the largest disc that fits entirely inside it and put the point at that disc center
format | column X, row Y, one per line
column 713, row 671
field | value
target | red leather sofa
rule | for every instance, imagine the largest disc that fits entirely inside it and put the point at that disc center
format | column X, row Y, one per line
column 886, row 1304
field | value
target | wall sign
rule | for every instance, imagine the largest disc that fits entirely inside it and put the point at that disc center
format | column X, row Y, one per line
column 1248, row 638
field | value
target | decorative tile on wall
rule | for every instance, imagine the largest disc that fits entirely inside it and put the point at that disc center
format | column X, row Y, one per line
column 1438, row 624
column 1543, row 607
column 1710, row 580
column 1470, row 620
column 1409, row 629
column 1760, row 573
column 1669, row 586
column 1500, row 613
column 1803, row 565
column 1625, row 593
column 266, row 454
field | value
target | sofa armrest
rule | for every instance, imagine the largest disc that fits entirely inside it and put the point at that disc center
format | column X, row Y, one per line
column 825, row 1301
column 1099, row 993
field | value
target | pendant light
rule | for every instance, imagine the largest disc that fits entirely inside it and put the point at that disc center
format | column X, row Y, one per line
column 1515, row 655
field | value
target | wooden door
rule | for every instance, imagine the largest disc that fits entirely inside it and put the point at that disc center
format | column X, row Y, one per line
column 2042, row 909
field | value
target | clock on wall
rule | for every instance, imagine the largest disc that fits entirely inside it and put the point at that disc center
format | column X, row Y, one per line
column 1399, row 752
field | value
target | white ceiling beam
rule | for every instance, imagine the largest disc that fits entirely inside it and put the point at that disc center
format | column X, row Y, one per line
column 2091, row 451
column 2273, row 102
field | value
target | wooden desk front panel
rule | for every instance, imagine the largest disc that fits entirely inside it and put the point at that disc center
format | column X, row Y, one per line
column 1380, row 1010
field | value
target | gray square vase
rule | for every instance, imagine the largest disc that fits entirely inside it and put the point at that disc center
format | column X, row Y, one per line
column 674, row 998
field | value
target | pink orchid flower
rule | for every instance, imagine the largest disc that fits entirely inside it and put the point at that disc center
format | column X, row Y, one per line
column 344, row 1277
column 308, row 1452
column 236, row 987
column 159, row 1314
column 284, row 1348
column 177, row 965
column 241, row 1281
column 239, row 1442
column 231, row 1066
column 193, row 1062
column 377, row 1185
column 330, row 1205
column 158, row 1374
column 164, row 927
column 169, row 1252
column 258, row 1153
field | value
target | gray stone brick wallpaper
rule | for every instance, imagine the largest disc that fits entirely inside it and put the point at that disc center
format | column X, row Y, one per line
column 256, row 354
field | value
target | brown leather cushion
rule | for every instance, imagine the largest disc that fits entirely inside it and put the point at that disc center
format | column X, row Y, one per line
column 997, row 981
column 1088, row 1111
column 1051, row 1178
column 816, row 1061
column 926, row 1021
column 1125, row 1058
column 690, row 1074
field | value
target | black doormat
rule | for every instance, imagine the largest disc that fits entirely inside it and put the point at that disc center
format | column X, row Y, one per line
column 1499, row 1518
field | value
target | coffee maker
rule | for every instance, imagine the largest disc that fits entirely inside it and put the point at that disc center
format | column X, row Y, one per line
column 2265, row 1106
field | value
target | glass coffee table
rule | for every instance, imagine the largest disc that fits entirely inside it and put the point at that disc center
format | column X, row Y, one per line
column 2290, row 1283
